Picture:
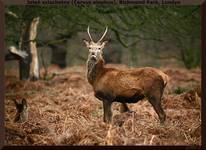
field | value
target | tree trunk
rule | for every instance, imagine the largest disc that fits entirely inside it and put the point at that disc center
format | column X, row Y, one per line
column 29, row 67
column 59, row 54
column 24, row 65
column 34, row 72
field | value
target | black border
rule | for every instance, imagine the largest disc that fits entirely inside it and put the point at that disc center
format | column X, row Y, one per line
column 203, row 7
column 2, row 90
column 1, row 74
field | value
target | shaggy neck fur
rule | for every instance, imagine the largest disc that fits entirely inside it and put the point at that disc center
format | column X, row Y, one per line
column 94, row 69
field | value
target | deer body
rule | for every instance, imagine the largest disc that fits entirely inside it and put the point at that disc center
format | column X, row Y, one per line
column 124, row 86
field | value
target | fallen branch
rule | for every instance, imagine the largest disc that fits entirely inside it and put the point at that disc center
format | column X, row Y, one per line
column 15, row 54
column 150, row 143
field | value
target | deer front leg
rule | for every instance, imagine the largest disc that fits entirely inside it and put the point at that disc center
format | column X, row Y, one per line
column 107, row 105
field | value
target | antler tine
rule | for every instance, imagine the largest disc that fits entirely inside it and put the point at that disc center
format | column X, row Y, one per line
column 89, row 34
column 103, row 35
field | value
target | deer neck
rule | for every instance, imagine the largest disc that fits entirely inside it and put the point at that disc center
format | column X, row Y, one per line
column 94, row 69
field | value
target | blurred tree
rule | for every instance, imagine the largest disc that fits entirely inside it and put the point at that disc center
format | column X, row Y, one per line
column 180, row 25
column 59, row 54
column 25, row 33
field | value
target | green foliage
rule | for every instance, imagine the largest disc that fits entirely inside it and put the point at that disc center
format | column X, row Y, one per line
column 179, row 90
column 180, row 25
column 192, row 58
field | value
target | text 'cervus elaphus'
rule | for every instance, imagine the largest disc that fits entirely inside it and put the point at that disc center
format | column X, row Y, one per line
column 124, row 86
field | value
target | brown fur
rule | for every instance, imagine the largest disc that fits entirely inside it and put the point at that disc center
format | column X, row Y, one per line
column 124, row 86
column 127, row 86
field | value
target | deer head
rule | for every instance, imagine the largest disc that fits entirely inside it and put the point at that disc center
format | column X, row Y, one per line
column 22, row 110
column 95, row 48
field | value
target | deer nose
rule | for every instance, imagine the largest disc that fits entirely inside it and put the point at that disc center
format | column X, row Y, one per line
column 93, row 53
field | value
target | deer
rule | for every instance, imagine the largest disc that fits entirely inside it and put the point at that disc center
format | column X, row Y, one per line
column 21, row 111
column 124, row 86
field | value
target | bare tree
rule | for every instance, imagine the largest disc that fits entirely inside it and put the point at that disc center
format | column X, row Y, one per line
column 34, row 71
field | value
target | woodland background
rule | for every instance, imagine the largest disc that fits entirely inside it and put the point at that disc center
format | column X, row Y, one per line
column 138, row 36
column 62, row 109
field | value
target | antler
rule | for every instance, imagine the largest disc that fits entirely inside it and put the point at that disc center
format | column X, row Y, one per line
column 103, row 35
column 89, row 34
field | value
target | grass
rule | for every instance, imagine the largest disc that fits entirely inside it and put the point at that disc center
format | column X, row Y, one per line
column 179, row 90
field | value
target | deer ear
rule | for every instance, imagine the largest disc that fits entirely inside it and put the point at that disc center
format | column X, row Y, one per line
column 105, row 42
column 86, row 42
column 24, row 102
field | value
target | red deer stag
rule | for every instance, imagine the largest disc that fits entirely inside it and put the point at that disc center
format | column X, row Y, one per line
column 124, row 86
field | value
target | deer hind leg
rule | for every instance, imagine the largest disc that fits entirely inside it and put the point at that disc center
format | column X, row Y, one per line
column 156, row 103
column 124, row 108
column 107, row 105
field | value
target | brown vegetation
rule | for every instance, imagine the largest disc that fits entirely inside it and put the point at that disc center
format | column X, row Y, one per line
column 62, row 110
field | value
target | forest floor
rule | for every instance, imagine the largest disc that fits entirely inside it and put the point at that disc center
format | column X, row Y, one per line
column 62, row 110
